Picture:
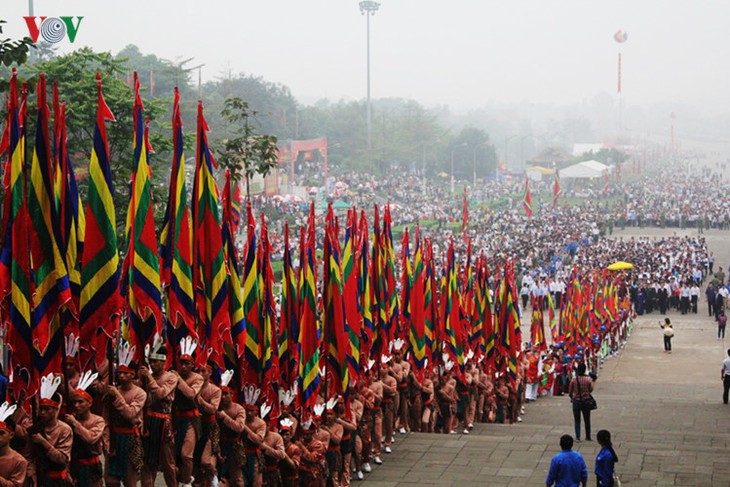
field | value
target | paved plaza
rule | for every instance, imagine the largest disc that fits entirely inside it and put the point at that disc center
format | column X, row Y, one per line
column 664, row 411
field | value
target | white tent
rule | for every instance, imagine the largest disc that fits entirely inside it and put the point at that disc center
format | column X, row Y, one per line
column 585, row 170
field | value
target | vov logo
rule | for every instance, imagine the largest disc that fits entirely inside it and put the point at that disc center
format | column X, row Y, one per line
column 53, row 29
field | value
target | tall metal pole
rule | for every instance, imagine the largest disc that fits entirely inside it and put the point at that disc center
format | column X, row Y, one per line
column 368, row 8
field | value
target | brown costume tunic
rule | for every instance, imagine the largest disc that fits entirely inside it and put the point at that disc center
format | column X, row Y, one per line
column 13, row 469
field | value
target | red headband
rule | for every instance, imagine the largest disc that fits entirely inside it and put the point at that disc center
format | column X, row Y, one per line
column 5, row 426
column 49, row 403
column 187, row 357
column 125, row 368
column 84, row 394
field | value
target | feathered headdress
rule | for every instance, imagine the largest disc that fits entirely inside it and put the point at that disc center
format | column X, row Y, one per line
column 251, row 396
column 158, row 350
column 226, row 379
column 309, row 426
column 397, row 344
column 86, row 379
column 187, row 348
column 125, row 355
column 6, row 410
column 286, row 424
column 384, row 360
column 71, row 346
column 332, row 403
column 49, row 385
column 318, row 410
column 286, row 398
column 264, row 410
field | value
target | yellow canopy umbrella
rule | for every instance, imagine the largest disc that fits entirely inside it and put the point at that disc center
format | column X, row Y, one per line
column 617, row 266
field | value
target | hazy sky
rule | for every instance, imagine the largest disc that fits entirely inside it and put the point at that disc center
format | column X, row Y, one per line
column 462, row 53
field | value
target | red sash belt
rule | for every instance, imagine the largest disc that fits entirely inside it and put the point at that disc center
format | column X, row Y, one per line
column 252, row 451
column 121, row 430
column 346, row 437
column 56, row 474
column 87, row 461
column 190, row 413
column 332, row 447
column 402, row 385
column 209, row 418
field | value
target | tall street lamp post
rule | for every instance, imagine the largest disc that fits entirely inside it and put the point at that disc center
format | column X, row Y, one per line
column 452, row 165
column 368, row 9
column 475, row 162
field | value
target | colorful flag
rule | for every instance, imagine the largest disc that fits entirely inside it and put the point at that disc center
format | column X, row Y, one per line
column 251, row 305
column 141, row 269
column 100, row 303
column 366, row 292
column 417, row 330
column 509, row 321
column 452, row 315
column 175, row 247
column 269, row 339
column 557, row 190
column 353, row 315
column 68, row 205
column 388, row 276
column 404, row 320
column 288, row 319
column 309, row 338
column 210, row 279
column 334, row 326
column 52, row 288
column 16, row 284
column 527, row 198
column 233, row 348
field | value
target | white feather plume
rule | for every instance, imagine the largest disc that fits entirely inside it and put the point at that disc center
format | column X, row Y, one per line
column 6, row 410
column 86, row 379
column 251, row 394
column 265, row 409
column 286, row 423
column 49, row 384
column 385, row 359
column 126, row 353
column 318, row 409
column 226, row 377
column 398, row 344
column 71, row 345
column 287, row 397
column 188, row 346
column 157, row 343
column 332, row 402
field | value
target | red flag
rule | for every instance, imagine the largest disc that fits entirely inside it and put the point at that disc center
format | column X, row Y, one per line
column 527, row 198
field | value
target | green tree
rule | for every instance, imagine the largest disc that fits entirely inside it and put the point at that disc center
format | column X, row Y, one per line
column 12, row 52
column 75, row 74
column 248, row 153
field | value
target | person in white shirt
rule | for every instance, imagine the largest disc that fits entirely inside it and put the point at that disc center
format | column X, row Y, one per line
column 694, row 296
column 726, row 377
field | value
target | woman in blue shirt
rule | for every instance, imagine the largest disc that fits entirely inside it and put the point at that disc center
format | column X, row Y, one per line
column 605, row 460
